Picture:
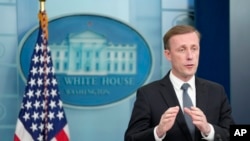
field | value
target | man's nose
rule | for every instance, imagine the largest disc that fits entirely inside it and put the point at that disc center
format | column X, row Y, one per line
column 190, row 54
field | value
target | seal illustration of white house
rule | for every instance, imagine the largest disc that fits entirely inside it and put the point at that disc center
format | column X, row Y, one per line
column 89, row 53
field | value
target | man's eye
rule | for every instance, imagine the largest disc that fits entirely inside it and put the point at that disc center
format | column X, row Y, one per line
column 194, row 48
column 181, row 50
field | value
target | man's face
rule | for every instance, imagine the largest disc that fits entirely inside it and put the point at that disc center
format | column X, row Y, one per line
column 184, row 55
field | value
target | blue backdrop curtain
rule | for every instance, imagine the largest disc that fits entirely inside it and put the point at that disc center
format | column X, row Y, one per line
column 212, row 20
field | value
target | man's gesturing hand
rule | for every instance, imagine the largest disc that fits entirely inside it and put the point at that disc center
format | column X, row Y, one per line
column 167, row 120
column 199, row 119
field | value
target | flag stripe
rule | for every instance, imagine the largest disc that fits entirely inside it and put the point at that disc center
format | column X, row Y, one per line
column 21, row 133
column 16, row 138
column 62, row 135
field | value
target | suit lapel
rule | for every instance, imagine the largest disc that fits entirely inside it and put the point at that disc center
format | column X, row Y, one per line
column 201, row 95
column 201, row 99
column 168, row 92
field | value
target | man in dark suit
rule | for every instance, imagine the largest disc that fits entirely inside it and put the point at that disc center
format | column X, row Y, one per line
column 159, row 110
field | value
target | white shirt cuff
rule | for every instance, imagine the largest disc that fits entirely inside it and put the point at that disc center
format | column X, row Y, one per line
column 210, row 136
column 156, row 136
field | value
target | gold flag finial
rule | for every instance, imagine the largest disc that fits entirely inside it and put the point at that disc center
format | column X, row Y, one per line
column 42, row 5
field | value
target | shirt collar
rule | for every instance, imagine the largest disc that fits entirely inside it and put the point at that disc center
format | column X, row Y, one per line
column 177, row 83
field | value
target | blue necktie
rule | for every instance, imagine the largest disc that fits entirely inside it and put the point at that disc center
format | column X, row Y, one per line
column 188, row 103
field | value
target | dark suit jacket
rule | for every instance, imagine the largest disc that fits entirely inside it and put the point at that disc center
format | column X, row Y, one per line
column 155, row 98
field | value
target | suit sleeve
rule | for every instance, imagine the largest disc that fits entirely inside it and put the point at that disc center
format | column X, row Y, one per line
column 139, row 128
column 222, row 129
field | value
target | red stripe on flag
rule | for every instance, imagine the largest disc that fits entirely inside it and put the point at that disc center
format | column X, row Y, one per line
column 62, row 136
column 16, row 138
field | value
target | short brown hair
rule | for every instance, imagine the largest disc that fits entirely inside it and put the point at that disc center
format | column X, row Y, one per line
column 176, row 30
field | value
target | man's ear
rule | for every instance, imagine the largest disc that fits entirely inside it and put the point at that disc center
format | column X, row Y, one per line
column 167, row 54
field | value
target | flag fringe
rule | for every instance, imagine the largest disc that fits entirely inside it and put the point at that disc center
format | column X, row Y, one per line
column 44, row 23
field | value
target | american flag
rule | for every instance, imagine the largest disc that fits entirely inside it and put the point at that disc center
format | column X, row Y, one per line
column 41, row 117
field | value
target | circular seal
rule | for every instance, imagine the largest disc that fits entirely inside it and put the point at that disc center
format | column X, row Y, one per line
column 97, row 60
column 187, row 18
